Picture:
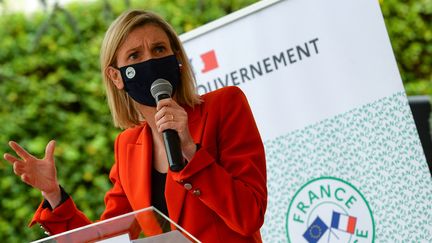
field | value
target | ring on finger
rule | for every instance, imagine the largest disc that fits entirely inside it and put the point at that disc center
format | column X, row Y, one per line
column 170, row 117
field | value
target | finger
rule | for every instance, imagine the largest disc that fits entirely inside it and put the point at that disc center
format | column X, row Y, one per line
column 165, row 119
column 49, row 150
column 163, row 103
column 25, row 178
column 12, row 159
column 162, row 112
column 18, row 168
column 167, row 125
column 20, row 151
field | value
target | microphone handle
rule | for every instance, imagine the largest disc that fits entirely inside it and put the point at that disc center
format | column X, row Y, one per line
column 162, row 96
column 173, row 150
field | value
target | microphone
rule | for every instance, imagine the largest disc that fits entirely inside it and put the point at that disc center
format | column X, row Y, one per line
column 162, row 89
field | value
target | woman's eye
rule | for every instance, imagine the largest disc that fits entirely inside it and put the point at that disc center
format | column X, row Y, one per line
column 159, row 49
column 133, row 56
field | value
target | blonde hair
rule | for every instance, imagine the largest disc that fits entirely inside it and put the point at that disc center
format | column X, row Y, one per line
column 124, row 109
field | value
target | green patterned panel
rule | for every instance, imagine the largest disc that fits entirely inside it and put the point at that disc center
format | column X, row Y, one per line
column 376, row 149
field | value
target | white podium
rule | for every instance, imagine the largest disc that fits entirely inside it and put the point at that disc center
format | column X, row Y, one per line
column 147, row 225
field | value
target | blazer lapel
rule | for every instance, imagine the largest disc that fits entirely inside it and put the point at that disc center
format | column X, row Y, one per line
column 139, row 157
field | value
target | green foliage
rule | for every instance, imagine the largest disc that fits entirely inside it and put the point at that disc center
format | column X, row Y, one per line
column 51, row 88
column 409, row 24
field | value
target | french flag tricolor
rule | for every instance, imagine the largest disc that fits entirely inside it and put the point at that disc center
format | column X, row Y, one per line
column 343, row 222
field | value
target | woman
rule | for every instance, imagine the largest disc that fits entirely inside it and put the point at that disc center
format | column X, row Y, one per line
column 219, row 195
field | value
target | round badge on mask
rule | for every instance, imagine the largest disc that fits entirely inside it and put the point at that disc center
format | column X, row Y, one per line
column 130, row 72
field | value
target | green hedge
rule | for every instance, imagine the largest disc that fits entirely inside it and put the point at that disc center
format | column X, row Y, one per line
column 409, row 24
column 51, row 88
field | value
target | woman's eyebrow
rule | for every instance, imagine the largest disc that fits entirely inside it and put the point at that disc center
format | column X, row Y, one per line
column 157, row 43
column 133, row 49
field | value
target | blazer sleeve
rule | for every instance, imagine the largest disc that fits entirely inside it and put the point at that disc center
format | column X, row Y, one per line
column 232, row 180
column 67, row 216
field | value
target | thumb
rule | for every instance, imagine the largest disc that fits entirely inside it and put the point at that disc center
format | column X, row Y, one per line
column 49, row 150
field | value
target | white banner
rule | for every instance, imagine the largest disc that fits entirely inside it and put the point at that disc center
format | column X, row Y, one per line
column 343, row 157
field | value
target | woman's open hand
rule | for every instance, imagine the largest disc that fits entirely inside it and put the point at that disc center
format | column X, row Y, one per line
column 38, row 173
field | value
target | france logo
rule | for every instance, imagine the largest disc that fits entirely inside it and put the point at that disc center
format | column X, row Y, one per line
column 331, row 210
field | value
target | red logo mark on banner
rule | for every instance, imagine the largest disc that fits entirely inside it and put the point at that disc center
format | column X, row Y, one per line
column 209, row 60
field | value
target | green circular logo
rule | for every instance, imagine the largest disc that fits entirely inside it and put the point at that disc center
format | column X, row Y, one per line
column 331, row 210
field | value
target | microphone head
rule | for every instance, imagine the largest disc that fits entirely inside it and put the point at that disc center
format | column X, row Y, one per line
column 160, row 86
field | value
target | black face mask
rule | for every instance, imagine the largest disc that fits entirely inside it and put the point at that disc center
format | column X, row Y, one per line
column 138, row 78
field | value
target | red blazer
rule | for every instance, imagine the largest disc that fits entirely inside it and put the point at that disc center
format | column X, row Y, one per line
column 228, row 195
